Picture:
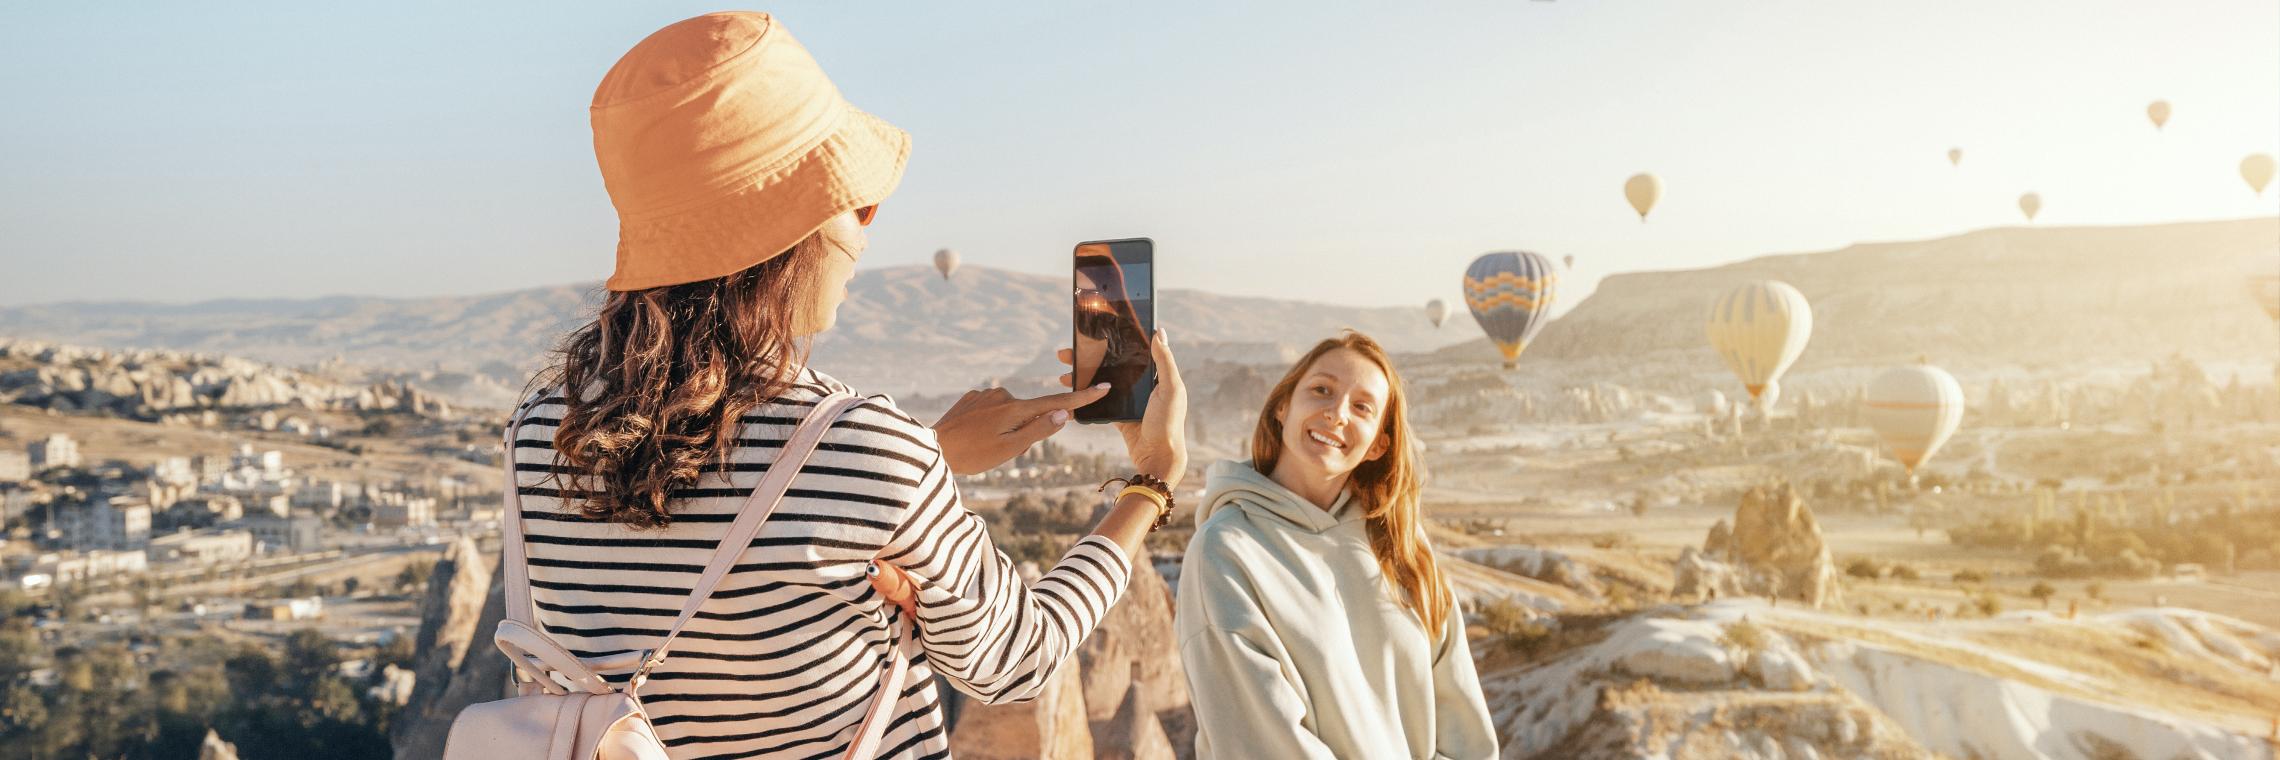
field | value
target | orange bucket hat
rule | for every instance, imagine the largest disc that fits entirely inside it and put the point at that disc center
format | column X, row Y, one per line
column 722, row 144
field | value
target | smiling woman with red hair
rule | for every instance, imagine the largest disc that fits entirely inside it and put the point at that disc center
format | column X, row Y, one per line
column 1313, row 620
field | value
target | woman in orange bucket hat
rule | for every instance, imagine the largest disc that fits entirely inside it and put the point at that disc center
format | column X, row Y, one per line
column 743, row 183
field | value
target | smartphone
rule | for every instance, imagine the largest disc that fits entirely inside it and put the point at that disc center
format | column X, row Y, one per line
column 1114, row 304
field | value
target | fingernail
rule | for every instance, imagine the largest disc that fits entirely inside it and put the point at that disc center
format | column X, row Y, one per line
column 1101, row 387
column 1058, row 416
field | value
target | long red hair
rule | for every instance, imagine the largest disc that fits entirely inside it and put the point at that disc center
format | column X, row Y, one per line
column 1387, row 488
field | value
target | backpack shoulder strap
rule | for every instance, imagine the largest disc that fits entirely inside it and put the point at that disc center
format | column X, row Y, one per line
column 514, row 556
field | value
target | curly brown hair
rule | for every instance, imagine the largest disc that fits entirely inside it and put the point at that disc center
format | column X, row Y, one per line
column 667, row 374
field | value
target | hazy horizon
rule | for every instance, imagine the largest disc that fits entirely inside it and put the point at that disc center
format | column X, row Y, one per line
column 869, row 267
column 279, row 151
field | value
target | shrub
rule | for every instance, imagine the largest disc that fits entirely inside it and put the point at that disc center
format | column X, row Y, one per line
column 1864, row 569
column 1968, row 575
column 1745, row 636
column 1517, row 632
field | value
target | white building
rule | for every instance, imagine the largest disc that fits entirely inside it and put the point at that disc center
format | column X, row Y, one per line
column 57, row 450
column 403, row 511
column 15, row 466
column 71, row 567
column 119, row 523
column 310, row 608
column 296, row 533
column 322, row 496
column 260, row 467
column 205, row 547
column 174, row 471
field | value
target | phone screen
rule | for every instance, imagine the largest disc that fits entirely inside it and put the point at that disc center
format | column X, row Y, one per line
column 1114, row 302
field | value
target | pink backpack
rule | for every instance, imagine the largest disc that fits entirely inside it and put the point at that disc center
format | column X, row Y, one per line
column 565, row 710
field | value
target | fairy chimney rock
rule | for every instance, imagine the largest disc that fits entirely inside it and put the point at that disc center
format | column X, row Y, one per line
column 1134, row 642
column 1779, row 544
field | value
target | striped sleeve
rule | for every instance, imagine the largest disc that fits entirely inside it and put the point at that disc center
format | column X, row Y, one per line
column 986, row 632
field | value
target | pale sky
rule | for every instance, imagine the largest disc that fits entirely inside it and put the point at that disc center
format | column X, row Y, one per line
column 1352, row 153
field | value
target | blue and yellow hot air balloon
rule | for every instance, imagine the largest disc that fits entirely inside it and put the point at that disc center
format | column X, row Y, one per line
column 1511, row 296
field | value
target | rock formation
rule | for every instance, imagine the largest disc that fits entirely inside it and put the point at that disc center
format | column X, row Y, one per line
column 481, row 677
column 1697, row 577
column 1134, row 732
column 213, row 748
column 1778, row 544
column 1720, row 542
column 449, row 616
column 1124, row 686
column 1739, row 678
column 1134, row 643
column 153, row 385
column 1050, row 727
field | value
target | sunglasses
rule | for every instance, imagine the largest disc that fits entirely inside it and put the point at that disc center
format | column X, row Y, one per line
column 864, row 215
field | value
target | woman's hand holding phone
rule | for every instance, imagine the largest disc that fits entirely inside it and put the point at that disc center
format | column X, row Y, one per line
column 1158, row 442
column 989, row 426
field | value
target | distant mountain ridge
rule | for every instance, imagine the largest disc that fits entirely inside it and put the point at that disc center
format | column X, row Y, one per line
column 1988, row 299
column 902, row 329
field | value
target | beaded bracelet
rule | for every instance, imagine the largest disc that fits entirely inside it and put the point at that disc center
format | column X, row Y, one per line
column 1152, row 487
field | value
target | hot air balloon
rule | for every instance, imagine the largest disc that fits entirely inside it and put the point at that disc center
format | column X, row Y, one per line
column 2158, row 111
column 1568, row 261
column 1642, row 190
column 946, row 261
column 2030, row 204
column 1511, row 295
column 1711, row 403
column 1913, row 410
column 1760, row 329
column 2257, row 169
column 1437, row 310
column 1955, row 156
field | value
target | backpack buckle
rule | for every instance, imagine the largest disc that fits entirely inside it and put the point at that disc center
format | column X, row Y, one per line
column 649, row 662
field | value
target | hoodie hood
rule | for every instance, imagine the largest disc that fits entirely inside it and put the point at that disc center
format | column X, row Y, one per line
column 1231, row 484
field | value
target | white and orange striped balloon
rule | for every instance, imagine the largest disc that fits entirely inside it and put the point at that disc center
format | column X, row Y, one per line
column 1760, row 329
column 1914, row 409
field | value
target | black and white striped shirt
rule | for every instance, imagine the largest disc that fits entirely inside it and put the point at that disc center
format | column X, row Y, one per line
column 783, row 659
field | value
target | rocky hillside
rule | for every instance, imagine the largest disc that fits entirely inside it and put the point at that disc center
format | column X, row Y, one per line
column 1738, row 678
column 158, row 385
column 2001, row 298
column 902, row 329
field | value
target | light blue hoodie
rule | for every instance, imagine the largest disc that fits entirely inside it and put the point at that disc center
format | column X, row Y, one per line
column 1297, row 647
